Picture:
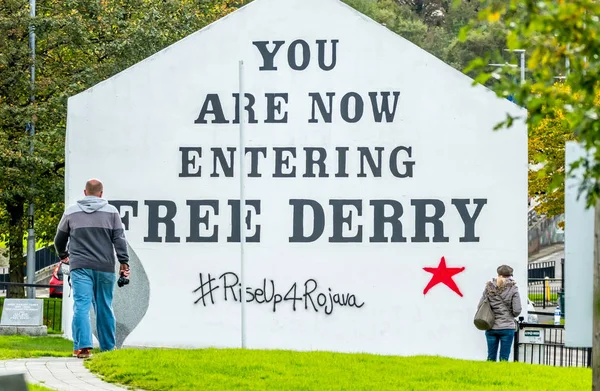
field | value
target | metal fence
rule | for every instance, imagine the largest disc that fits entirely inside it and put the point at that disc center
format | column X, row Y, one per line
column 544, row 344
column 541, row 270
column 544, row 292
column 4, row 277
column 44, row 257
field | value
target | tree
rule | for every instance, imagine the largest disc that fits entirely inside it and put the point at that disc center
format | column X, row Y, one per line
column 554, row 32
column 17, row 167
column 479, row 42
column 547, row 161
column 431, row 12
column 79, row 43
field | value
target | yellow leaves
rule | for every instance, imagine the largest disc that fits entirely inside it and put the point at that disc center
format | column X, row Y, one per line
column 597, row 97
column 547, row 145
column 493, row 17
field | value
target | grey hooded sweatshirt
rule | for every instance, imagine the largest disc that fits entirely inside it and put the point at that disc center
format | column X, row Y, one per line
column 505, row 302
column 94, row 232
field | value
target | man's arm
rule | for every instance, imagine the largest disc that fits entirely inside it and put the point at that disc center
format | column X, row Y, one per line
column 119, row 241
column 62, row 237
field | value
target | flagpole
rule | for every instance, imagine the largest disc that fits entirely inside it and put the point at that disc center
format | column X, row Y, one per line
column 242, row 202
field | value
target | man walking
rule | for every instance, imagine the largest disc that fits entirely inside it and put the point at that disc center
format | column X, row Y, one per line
column 94, row 232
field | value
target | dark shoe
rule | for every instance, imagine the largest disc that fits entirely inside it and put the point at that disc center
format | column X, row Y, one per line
column 84, row 353
column 76, row 352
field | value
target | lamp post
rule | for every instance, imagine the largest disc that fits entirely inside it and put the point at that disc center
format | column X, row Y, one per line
column 30, row 228
column 521, row 65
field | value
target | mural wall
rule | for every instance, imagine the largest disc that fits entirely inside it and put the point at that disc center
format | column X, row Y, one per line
column 379, row 199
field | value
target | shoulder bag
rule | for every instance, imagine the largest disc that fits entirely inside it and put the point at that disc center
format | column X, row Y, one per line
column 484, row 317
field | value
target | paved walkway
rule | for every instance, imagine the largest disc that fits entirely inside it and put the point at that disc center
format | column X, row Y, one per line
column 64, row 374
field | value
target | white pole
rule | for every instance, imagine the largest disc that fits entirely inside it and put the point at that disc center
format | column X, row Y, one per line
column 242, row 203
column 30, row 228
column 568, row 62
column 523, row 67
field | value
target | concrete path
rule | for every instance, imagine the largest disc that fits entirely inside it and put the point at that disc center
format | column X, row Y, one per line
column 65, row 374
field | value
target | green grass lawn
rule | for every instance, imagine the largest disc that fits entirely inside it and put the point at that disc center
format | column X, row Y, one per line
column 24, row 347
column 234, row 369
column 539, row 297
column 35, row 387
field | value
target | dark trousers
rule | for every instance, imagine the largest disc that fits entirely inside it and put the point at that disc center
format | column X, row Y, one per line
column 504, row 338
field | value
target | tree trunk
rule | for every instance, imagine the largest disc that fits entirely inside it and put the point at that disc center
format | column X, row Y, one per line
column 596, row 303
column 15, row 246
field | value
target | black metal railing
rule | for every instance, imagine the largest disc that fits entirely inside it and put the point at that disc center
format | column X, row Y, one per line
column 549, row 349
column 44, row 257
column 541, row 270
column 52, row 310
column 544, row 292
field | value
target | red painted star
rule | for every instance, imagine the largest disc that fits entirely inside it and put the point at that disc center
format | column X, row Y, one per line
column 443, row 274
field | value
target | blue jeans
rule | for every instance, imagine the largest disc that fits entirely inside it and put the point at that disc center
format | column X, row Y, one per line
column 92, row 287
column 504, row 338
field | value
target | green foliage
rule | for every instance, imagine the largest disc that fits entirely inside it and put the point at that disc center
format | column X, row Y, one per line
column 547, row 158
column 481, row 42
column 212, row 369
column 552, row 33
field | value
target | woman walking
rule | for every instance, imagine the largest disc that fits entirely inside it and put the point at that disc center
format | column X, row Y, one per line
column 504, row 299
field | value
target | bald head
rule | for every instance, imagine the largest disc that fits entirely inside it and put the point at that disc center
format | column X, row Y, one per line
column 94, row 187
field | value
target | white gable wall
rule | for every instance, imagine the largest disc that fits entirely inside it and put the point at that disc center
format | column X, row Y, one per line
column 128, row 131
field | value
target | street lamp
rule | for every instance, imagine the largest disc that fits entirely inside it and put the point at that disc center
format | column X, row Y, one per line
column 522, row 55
column 30, row 228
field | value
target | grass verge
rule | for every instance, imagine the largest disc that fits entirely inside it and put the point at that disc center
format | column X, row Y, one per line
column 35, row 387
column 234, row 369
column 539, row 297
column 18, row 346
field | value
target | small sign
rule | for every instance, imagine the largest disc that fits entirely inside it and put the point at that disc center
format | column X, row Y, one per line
column 532, row 336
column 22, row 312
